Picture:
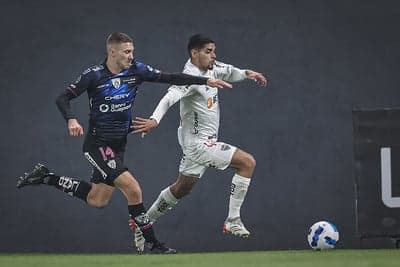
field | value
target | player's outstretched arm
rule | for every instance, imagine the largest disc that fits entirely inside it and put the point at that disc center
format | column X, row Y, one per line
column 257, row 77
column 144, row 126
column 218, row 83
column 186, row 79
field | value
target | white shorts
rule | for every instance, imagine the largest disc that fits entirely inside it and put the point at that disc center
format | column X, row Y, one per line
column 197, row 158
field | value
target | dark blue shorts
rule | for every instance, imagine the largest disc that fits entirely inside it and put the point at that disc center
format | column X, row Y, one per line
column 106, row 158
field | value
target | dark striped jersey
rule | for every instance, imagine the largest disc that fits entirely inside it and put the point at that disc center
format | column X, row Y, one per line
column 111, row 96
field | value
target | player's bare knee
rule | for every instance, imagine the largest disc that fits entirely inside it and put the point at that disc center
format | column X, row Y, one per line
column 251, row 162
column 184, row 191
column 180, row 190
column 133, row 193
column 248, row 162
column 97, row 203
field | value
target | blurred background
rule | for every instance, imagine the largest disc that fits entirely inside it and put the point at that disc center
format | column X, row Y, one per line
column 322, row 59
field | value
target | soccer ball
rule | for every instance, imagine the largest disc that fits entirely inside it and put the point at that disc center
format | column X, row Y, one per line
column 323, row 235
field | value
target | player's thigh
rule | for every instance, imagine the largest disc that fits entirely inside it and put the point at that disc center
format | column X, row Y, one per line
column 198, row 158
column 106, row 160
column 215, row 154
column 128, row 185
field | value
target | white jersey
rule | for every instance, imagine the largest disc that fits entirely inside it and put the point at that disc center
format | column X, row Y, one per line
column 199, row 104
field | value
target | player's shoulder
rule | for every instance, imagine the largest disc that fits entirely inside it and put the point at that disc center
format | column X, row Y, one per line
column 191, row 69
column 143, row 67
column 93, row 69
column 221, row 65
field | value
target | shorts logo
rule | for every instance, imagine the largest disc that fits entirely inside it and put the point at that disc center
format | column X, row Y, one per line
column 112, row 164
column 116, row 82
column 225, row 147
column 91, row 160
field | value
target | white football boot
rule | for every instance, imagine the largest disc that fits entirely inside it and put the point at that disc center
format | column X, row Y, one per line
column 235, row 227
column 138, row 236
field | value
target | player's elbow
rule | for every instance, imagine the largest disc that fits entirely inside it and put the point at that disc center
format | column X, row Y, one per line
column 58, row 100
column 61, row 100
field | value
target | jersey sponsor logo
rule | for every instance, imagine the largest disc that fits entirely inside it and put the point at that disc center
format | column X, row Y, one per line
column 114, row 107
column 129, row 80
column 211, row 101
column 116, row 97
column 116, row 82
column 104, row 108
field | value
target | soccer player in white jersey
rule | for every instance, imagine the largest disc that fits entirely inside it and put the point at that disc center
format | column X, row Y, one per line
column 198, row 133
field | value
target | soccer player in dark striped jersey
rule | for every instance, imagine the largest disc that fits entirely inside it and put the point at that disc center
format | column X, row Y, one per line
column 111, row 88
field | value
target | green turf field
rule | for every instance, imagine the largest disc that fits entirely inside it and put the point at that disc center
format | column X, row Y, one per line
column 295, row 258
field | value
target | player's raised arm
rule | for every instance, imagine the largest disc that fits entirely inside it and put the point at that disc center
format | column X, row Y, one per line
column 184, row 79
column 231, row 73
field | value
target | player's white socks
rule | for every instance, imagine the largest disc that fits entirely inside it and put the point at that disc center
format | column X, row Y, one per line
column 165, row 201
column 238, row 192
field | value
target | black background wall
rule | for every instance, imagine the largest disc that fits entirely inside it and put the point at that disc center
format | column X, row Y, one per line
column 321, row 57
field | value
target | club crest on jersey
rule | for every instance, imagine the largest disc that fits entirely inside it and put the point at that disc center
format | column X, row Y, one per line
column 116, row 82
